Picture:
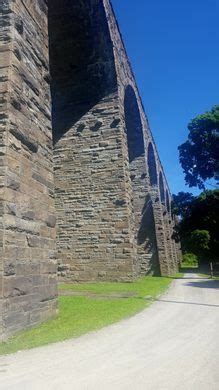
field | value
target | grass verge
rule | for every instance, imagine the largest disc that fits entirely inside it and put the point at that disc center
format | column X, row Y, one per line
column 81, row 314
column 148, row 285
column 179, row 275
column 189, row 266
column 208, row 276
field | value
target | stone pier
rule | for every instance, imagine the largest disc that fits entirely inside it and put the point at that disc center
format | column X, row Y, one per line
column 28, row 285
column 82, row 188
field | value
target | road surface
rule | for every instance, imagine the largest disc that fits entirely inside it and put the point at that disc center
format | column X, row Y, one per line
column 172, row 345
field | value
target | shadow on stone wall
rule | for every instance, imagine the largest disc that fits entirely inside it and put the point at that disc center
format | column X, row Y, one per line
column 147, row 236
column 81, row 60
column 152, row 165
column 133, row 125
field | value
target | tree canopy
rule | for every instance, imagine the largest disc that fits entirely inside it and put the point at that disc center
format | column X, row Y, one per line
column 199, row 220
column 181, row 203
column 199, row 154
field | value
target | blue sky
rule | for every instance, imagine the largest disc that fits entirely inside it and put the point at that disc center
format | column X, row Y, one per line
column 173, row 46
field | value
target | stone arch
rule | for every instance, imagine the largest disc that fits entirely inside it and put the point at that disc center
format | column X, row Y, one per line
column 82, row 65
column 147, row 239
column 133, row 125
column 161, row 187
column 172, row 232
column 168, row 202
column 152, row 168
column 86, row 118
column 137, row 170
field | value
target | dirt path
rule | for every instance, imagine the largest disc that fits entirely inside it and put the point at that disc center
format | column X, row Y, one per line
column 173, row 345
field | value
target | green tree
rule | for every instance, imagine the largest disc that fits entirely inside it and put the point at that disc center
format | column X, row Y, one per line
column 199, row 213
column 181, row 203
column 190, row 260
column 199, row 241
column 199, row 154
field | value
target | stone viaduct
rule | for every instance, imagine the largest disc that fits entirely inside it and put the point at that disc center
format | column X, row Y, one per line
column 81, row 183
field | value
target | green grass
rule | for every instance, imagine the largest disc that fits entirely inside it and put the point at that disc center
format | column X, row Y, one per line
column 179, row 275
column 79, row 315
column 146, row 286
column 208, row 276
column 189, row 265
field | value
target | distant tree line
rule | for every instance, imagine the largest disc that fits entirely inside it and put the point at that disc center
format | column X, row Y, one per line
column 198, row 227
column 198, row 224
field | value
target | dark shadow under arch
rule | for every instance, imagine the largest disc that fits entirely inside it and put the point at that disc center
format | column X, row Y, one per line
column 167, row 201
column 147, row 236
column 161, row 187
column 81, row 60
column 133, row 125
column 152, row 169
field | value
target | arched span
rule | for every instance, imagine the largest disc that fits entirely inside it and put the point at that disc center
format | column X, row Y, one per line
column 167, row 201
column 147, row 240
column 133, row 125
column 161, row 187
column 152, row 169
column 82, row 65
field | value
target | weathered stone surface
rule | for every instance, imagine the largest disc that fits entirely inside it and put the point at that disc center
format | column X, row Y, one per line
column 90, row 165
column 105, row 160
column 26, row 202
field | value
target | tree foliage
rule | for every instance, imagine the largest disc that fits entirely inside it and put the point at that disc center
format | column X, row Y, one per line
column 190, row 259
column 199, row 221
column 181, row 203
column 199, row 241
column 199, row 154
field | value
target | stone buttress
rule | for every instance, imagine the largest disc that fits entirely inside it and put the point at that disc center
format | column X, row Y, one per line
column 28, row 285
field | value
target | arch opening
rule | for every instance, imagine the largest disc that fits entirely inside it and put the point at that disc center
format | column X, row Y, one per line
column 143, row 213
column 161, row 187
column 147, row 239
column 83, row 89
column 152, row 169
column 133, row 125
column 167, row 201
column 81, row 60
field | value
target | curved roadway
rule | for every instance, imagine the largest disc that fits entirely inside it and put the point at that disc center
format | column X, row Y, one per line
column 172, row 345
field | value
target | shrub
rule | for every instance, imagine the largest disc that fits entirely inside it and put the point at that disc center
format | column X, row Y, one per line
column 190, row 260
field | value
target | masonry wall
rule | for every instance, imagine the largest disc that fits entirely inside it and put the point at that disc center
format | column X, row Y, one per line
column 151, row 257
column 109, row 214
column 27, row 214
column 136, row 171
column 94, row 240
column 112, row 221
column 71, row 114
column 5, row 28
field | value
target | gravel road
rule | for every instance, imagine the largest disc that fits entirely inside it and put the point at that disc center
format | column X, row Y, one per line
column 172, row 345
